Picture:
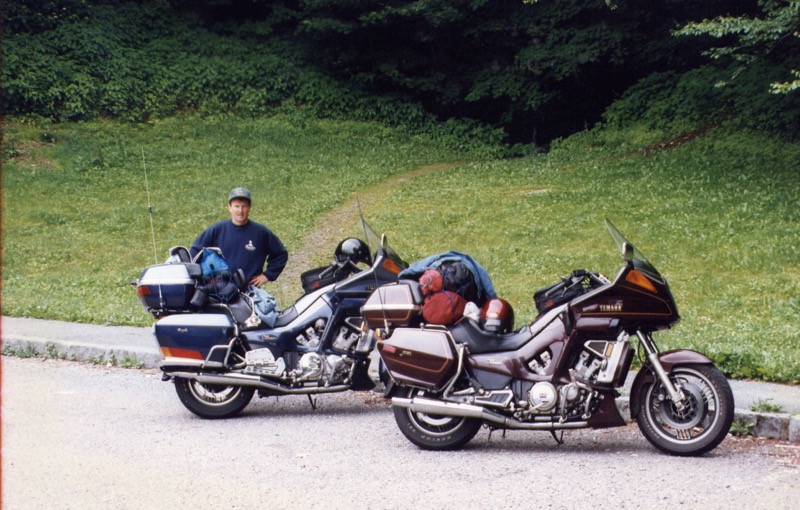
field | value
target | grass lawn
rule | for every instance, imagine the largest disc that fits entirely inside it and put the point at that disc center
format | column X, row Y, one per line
column 717, row 215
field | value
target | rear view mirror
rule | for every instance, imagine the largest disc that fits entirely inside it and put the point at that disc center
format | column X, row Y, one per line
column 627, row 252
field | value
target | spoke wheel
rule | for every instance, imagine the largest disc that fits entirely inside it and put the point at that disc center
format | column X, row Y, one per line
column 431, row 431
column 700, row 424
column 212, row 400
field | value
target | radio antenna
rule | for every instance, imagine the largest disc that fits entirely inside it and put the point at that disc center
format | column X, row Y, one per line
column 149, row 208
column 363, row 222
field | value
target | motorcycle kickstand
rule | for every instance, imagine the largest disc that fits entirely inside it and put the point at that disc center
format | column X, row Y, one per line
column 312, row 401
column 491, row 431
column 559, row 439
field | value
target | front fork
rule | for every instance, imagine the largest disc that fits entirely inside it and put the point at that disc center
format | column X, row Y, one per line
column 675, row 394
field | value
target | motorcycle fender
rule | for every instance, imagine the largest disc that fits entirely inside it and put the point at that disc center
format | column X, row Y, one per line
column 669, row 360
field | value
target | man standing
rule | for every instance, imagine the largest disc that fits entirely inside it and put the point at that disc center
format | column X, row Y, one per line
column 245, row 244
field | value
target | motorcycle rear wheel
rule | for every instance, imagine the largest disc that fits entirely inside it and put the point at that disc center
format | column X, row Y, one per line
column 702, row 425
column 212, row 401
column 434, row 432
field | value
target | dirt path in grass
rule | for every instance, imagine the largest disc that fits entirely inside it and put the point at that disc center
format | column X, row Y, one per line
column 335, row 225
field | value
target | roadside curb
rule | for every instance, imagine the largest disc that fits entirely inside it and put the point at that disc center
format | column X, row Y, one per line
column 781, row 426
column 82, row 351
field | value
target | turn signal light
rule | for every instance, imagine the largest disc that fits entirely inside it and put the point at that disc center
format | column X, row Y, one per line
column 390, row 266
column 640, row 280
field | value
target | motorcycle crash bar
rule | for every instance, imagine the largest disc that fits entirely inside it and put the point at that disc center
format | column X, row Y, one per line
column 429, row 406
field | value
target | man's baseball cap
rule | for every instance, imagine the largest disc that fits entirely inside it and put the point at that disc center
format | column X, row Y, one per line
column 242, row 193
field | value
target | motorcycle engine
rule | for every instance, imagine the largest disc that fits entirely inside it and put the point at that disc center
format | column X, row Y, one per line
column 346, row 338
column 312, row 334
column 330, row 369
column 262, row 362
column 350, row 333
column 309, row 367
column 542, row 397
column 600, row 359
column 567, row 400
column 312, row 366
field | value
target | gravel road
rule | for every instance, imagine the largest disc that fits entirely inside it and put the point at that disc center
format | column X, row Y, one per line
column 81, row 436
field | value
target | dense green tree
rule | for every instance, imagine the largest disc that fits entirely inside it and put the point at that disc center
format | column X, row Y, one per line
column 539, row 70
column 772, row 38
column 536, row 69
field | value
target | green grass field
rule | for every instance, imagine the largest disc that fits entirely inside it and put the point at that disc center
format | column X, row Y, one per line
column 717, row 214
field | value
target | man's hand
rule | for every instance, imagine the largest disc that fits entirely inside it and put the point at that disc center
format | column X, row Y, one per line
column 259, row 280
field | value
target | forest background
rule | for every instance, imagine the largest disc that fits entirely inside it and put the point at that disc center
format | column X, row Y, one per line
column 504, row 128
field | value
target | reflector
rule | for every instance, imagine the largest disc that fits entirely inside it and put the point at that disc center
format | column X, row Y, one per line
column 174, row 352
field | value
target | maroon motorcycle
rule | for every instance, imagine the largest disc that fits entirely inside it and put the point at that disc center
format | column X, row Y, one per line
column 560, row 372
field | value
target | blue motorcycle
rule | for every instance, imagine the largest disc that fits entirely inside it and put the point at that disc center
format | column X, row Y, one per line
column 219, row 349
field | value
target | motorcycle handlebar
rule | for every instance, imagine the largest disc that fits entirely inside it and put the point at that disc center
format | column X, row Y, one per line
column 577, row 277
column 336, row 266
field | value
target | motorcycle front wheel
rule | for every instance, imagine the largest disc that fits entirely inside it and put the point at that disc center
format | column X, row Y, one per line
column 704, row 421
column 212, row 401
column 431, row 431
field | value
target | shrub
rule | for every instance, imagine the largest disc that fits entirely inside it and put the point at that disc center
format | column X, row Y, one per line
column 699, row 97
column 139, row 62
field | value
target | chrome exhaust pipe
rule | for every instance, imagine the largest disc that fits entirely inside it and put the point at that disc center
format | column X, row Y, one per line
column 430, row 406
column 254, row 381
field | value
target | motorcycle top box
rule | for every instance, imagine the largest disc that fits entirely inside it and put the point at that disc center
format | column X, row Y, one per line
column 168, row 287
column 394, row 305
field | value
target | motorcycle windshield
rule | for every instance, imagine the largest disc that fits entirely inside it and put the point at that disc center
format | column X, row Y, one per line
column 376, row 243
column 630, row 252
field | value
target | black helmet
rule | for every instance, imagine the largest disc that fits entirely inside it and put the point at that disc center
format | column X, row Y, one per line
column 354, row 250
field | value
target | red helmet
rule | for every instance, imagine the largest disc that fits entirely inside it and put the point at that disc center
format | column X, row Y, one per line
column 497, row 316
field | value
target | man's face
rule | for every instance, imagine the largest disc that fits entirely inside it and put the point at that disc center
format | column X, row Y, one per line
column 240, row 210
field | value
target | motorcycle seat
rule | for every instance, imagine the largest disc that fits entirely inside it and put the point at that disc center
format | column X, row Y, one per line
column 481, row 341
column 286, row 317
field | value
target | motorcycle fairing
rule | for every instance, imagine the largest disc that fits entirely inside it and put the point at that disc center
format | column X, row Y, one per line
column 367, row 281
column 635, row 306
column 607, row 414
